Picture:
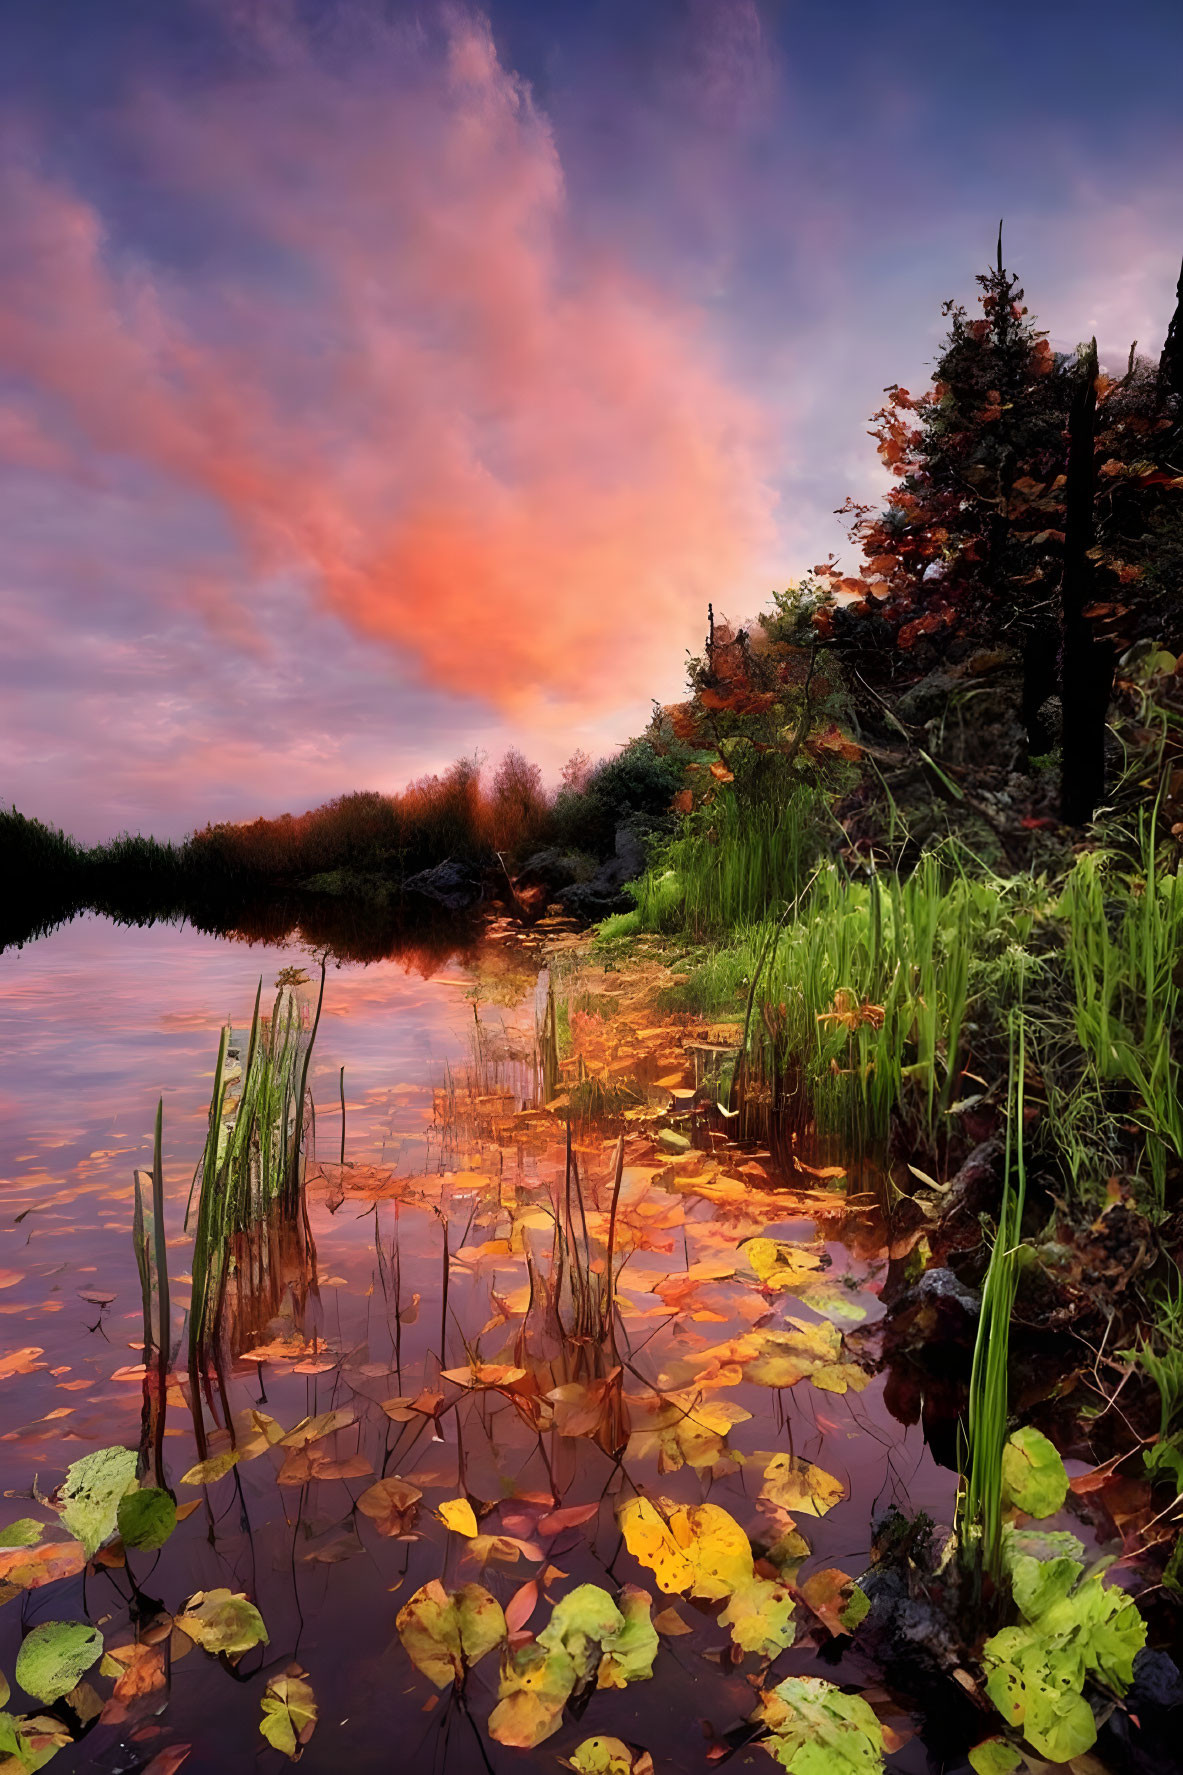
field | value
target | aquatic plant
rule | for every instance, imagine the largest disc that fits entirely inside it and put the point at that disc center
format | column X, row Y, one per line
column 980, row 1499
column 251, row 1197
column 151, row 1252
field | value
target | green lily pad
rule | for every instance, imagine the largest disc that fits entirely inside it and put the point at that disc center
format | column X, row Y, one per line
column 55, row 1657
column 24, row 1532
column 90, row 1493
column 146, row 1518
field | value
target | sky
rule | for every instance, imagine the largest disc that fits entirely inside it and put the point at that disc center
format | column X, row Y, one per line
column 381, row 383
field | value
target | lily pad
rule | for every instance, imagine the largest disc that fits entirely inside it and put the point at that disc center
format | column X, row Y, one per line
column 289, row 1712
column 146, row 1518
column 442, row 1635
column 55, row 1657
column 535, row 1686
column 221, row 1621
column 89, row 1495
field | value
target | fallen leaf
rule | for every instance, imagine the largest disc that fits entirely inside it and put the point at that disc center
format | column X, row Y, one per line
column 458, row 1515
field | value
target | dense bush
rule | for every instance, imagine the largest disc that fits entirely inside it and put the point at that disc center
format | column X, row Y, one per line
column 639, row 783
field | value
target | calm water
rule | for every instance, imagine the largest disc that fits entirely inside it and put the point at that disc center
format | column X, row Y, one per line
column 96, row 1023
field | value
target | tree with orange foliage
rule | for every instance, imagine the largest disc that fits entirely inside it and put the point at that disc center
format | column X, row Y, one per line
column 766, row 703
column 1034, row 533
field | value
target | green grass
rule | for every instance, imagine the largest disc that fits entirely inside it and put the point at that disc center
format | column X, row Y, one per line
column 733, row 865
column 881, row 1001
column 1125, row 938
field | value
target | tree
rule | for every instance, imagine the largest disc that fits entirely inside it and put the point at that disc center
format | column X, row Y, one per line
column 1034, row 534
column 966, row 553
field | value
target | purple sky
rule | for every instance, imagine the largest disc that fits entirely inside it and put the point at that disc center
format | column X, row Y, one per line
column 381, row 383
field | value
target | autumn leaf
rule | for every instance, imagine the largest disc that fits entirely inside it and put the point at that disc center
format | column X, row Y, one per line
column 796, row 1484
column 213, row 1468
column 314, row 1429
column 444, row 1634
column 20, row 1362
column 534, row 1689
column 608, row 1756
column 221, row 1621
column 28, row 1568
column 88, row 1497
column 835, row 1599
column 760, row 1617
column 648, row 1539
column 458, row 1515
column 289, row 1712
column 390, row 1505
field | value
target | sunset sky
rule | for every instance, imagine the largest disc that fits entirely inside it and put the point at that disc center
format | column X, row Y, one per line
column 378, row 383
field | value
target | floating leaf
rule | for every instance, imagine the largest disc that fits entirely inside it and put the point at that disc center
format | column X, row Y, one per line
column 579, row 1622
column 31, row 1741
column 628, row 1654
column 535, row 1685
column 458, row 1515
column 484, row 1374
column 314, row 1429
column 798, row 1485
column 28, row 1568
column 222, row 1621
column 817, row 1730
column 146, row 1518
column 24, row 1532
column 521, row 1606
column 1033, row 1476
column 648, row 1539
column 88, row 1497
column 289, row 1712
column 508, row 1549
column 760, row 1617
column 55, row 1657
column 215, row 1467
column 835, row 1599
column 304, row 1464
column 390, row 1505
column 443, row 1634
column 717, row 1548
column 608, row 1756
column 20, row 1361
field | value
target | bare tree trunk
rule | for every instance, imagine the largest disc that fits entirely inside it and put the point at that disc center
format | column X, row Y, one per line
column 1086, row 665
column 1170, row 370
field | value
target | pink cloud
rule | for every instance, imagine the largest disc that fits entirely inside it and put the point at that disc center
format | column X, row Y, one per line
column 484, row 446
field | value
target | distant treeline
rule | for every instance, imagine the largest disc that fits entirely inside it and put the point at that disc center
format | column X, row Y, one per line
column 364, row 844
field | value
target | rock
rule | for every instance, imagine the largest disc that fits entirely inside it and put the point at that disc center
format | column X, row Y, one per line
column 603, row 894
column 551, row 869
column 934, row 1322
column 671, row 1141
column 975, row 1190
column 1141, row 1737
column 593, row 900
column 451, row 884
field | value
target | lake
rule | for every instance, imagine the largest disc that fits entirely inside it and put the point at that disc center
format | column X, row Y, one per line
column 99, row 1022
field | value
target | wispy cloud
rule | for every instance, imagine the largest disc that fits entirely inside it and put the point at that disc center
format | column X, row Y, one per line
column 509, row 458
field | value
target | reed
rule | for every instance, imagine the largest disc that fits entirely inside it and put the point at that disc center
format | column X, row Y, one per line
column 151, row 1253
column 1125, row 935
column 979, row 1504
column 251, row 1202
